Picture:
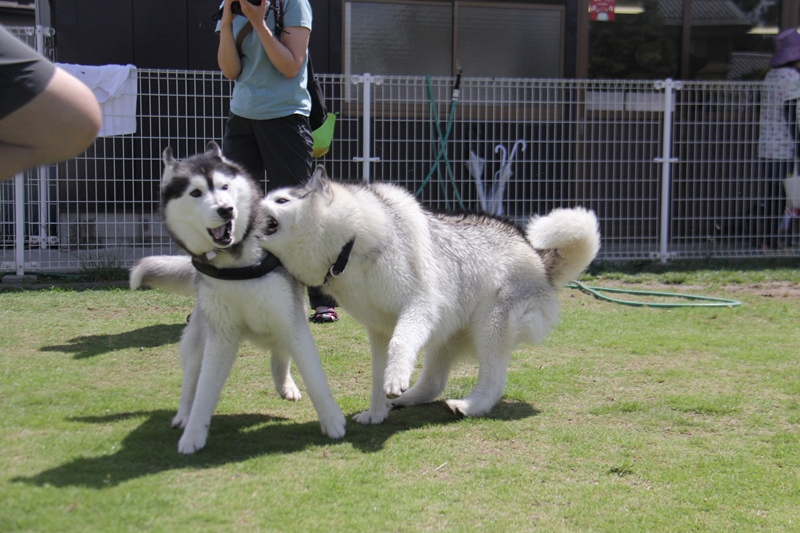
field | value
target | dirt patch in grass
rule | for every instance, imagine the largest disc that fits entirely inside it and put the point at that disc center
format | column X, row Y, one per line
column 772, row 289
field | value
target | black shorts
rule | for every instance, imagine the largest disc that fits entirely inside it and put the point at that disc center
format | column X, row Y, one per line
column 282, row 147
column 24, row 73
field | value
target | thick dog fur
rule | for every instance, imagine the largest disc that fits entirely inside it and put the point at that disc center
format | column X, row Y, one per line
column 451, row 285
column 212, row 210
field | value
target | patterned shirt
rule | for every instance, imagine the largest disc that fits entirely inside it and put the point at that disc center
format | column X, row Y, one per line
column 778, row 109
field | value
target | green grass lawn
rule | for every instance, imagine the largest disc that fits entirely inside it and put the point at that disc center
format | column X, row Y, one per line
column 626, row 419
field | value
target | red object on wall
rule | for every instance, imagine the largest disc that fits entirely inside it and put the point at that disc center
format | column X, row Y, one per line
column 601, row 9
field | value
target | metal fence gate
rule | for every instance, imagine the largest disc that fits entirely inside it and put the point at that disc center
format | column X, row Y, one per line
column 671, row 168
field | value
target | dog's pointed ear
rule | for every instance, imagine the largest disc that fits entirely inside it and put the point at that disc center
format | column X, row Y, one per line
column 319, row 182
column 166, row 156
column 169, row 164
column 213, row 149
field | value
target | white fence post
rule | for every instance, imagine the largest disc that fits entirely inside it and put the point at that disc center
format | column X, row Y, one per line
column 19, row 223
column 366, row 141
column 44, row 199
column 666, row 161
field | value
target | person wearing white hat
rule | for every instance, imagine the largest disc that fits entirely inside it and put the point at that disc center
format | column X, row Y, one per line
column 779, row 136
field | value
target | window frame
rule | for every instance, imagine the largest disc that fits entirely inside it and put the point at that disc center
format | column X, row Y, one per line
column 455, row 5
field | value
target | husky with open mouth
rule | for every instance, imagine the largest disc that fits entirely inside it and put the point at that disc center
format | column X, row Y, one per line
column 453, row 286
column 212, row 210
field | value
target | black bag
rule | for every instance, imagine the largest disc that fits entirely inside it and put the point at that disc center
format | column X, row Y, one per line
column 319, row 112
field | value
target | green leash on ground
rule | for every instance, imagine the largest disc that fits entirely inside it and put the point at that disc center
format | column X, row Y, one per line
column 697, row 301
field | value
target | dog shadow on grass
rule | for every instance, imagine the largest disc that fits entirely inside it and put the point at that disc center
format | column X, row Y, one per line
column 151, row 448
column 87, row 346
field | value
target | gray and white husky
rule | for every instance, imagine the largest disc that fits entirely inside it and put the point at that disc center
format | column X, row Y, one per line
column 212, row 210
column 451, row 285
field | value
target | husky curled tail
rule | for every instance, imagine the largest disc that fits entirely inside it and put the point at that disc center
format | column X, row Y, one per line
column 452, row 286
column 570, row 236
column 175, row 274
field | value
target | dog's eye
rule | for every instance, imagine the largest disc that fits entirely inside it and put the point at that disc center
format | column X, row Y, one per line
column 281, row 200
column 225, row 187
column 195, row 193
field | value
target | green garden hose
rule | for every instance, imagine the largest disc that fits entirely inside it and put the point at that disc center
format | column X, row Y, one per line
column 697, row 301
column 442, row 143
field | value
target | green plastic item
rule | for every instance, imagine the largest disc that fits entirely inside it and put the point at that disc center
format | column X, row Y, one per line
column 324, row 135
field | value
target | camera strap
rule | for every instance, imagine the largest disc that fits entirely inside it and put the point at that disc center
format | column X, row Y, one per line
column 243, row 33
column 277, row 9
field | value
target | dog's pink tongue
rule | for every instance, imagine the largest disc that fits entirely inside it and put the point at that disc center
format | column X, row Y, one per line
column 219, row 232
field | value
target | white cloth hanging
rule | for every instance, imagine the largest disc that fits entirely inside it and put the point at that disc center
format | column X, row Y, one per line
column 115, row 87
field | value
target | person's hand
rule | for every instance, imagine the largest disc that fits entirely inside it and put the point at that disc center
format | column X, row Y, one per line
column 227, row 14
column 255, row 14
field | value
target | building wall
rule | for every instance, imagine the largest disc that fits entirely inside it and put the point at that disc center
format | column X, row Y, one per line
column 178, row 34
column 146, row 33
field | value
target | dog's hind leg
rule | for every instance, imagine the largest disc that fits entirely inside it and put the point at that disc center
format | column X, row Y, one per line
column 379, row 405
column 218, row 357
column 280, row 364
column 492, row 373
column 191, row 348
column 493, row 348
column 436, row 368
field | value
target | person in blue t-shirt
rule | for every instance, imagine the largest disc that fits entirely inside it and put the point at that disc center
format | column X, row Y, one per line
column 267, row 129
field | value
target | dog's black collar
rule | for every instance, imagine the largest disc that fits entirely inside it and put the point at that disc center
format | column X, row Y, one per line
column 337, row 269
column 267, row 265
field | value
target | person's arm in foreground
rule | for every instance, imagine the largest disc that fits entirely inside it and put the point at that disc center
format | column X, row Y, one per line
column 56, row 124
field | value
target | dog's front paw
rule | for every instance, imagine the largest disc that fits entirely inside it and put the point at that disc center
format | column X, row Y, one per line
column 179, row 422
column 333, row 426
column 289, row 391
column 368, row 417
column 393, row 388
column 192, row 441
column 375, row 415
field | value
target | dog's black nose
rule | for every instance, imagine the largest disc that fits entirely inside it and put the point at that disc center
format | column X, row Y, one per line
column 225, row 212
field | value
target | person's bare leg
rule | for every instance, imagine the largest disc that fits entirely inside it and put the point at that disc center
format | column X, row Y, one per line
column 59, row 123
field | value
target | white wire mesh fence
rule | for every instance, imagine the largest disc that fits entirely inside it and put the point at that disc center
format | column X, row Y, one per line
column 671, row 168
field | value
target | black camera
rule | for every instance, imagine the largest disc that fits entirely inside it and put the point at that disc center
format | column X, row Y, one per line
column 236, row 9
